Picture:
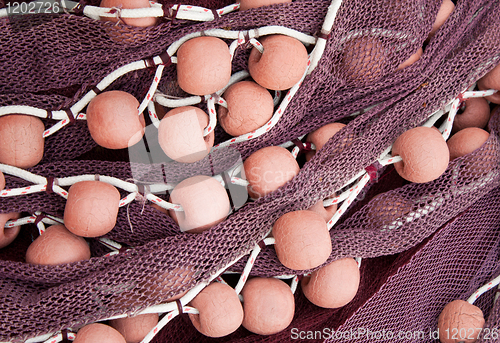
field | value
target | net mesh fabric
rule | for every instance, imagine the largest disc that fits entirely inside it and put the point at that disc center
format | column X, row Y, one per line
column 82, row 51
column 404, row 292
column 165, row 261
column 397, row 219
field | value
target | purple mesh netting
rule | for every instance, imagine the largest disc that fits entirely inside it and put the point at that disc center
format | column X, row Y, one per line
column 404, row 292
column 62, row 53
column 398, row 219
column 78, row 52
column 459, row 259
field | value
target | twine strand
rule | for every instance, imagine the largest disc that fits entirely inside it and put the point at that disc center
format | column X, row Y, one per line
column 483, row 289
column 41, row 185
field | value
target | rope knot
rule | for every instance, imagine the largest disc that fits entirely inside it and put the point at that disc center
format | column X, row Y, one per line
column 372, row 171
column 323, row 35
column 142, row 191
column 64, row 334
column 39, row 218
column 216, row 14
column 51, row 181
column 243, row 37
column 303, row 147
column 117, row 12
column 78, row 9
column 71, row 116
column 179, row 306
column 170, row 13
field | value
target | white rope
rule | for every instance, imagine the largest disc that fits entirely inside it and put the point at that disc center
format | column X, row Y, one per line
column 212, row 115
column 152, row 89
column 37, row 339
column 319, row 49
column 153, row 115
column 59, row 338
column 171, row 102
column 41, row 186
column 48, row 219
column 483, row 289
column 105, row 12
column 356, row 190
column 110, row 243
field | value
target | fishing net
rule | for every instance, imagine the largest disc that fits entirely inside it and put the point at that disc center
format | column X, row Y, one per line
column 403, row 232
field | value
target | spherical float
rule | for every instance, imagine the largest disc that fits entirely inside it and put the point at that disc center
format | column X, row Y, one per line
column 385, row 208
column 204, row 201
column 8, row 235
column 21, row 140
column 463, row 318
column 134, row 329
column 114, row 121
column 302, row 240
column 180, row 134
column 57, row 246
column 249, row 107
column 476, row 114
column 268, row 169
column 363, row 61
column 466, row 141
column 447, row 7
column 220, row 310
column 281, row 64
column 97, row 332
column 322, row 135
column 268, row 305
column 333, row 285
column 203, row 65
column 424, row 152
column 91, row 209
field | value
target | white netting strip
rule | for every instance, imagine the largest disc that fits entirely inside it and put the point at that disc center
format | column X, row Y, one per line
column 69, row 116
column 41, row 184
column 59, row 337
column 37, row 218
column 181, row 12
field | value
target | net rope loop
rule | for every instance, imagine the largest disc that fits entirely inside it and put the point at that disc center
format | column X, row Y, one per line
column 54, row 185
column 483, row 289
column 174, row 13
column 165, row 59
column 69, row 116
